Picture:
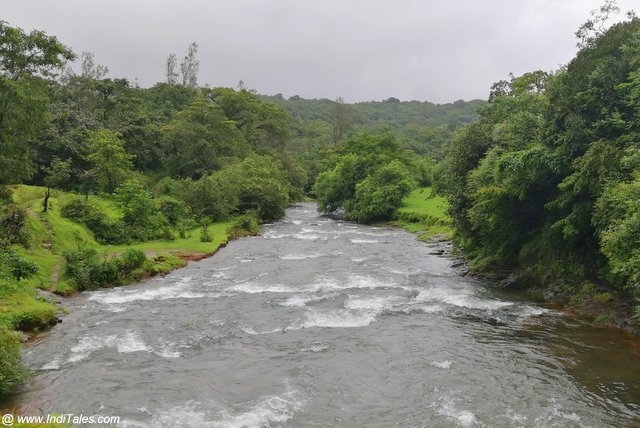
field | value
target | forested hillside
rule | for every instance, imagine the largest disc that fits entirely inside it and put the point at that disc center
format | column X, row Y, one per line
column 547, row 180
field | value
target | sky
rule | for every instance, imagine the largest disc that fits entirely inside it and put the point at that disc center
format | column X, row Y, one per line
column 427, row 50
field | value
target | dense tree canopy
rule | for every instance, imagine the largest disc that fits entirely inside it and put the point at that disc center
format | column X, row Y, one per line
column 547, row 178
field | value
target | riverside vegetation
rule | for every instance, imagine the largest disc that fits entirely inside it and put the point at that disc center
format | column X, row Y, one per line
column 103, row 183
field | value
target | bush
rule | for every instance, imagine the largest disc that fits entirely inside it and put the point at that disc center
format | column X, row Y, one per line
column 173, row 210
column 246, row 225
column 88, row 271
column 12, row 221
column 11, row 370
column 105, row 231
column 204, row 234
column 381, row 193
column 15, row 265
column 131, row 259
column 76, row 210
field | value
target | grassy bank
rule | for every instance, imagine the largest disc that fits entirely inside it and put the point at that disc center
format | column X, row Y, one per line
column 27, row 306
column 423, row 212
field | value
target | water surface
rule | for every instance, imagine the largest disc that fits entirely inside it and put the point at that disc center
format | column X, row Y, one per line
column 318, row 322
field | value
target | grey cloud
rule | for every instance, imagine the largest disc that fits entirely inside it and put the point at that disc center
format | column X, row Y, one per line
column 359, row 49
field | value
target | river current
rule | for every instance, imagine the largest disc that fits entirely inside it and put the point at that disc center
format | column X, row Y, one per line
column 319, row 322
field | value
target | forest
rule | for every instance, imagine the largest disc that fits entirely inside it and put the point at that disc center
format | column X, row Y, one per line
column 542, row 180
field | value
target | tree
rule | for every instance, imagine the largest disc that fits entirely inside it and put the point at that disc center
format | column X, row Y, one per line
column 596, row 26
column 34, row 54
column 89, row 69
column 57, row 175
column 359, row 170
column 200, row 139
column 172, row 69
column 190, row 66
column 111, row 164
column 25, row 60
column 381, row 193
column 341, row 120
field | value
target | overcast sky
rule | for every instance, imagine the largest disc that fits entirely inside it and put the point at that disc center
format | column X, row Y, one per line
column 438, row 51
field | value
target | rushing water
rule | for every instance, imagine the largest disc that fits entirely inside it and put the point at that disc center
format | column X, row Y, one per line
column 324, row 323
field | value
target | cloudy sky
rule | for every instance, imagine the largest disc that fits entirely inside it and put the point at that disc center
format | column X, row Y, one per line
column 438, row 51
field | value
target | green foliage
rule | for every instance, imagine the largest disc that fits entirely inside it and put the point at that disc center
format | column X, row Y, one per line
column 371, row 176
column 88, row 271
column 381, row 193
column 261, row 185
column 618, row 217
column 246, row 225
column 26, row 59
column 204, row 233
column 12, row 225
column 11, row 371
column 547, row 179
column 111, row 164
column 15, row 265
column 201, row 139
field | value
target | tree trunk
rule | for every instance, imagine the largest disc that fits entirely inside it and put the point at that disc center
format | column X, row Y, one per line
column 45, row 204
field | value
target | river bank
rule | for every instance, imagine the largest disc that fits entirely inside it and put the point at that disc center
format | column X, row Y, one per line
column 424, row 213
column 35, row 304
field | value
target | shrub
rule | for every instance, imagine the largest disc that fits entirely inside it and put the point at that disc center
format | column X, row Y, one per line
column 12, row 221
column 88, row 271
column 204, row 234
column 172, row 209
column 105, row 231
column 83, row 268
column 131, row 259
column 76, row 210
column 246, row 225
column 11, row 370
column 15, row 265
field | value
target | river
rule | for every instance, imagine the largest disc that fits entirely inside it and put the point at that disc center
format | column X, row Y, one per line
column 318, row 322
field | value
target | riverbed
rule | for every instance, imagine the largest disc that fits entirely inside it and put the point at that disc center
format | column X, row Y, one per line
column 320, row 322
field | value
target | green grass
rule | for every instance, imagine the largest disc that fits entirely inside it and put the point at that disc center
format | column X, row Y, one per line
column 425, row 213
column 51, row 235
column 190, row 244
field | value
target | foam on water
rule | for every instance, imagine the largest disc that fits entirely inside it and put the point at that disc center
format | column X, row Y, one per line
column 52, row 365
column 316, row 347
column 306, row 237
column 187, row 416
column 251, row 331
column 364, row 241
column 301, row 300
column 267, row 411
column 462, row 418
column 122, row 295
column 335, row 319
column 444, row 365
column 301, row 256
column 458, row 298
column 273, row 235
column 129, row 342
column 253, row 288
column 126, row 343
column 375, row 304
